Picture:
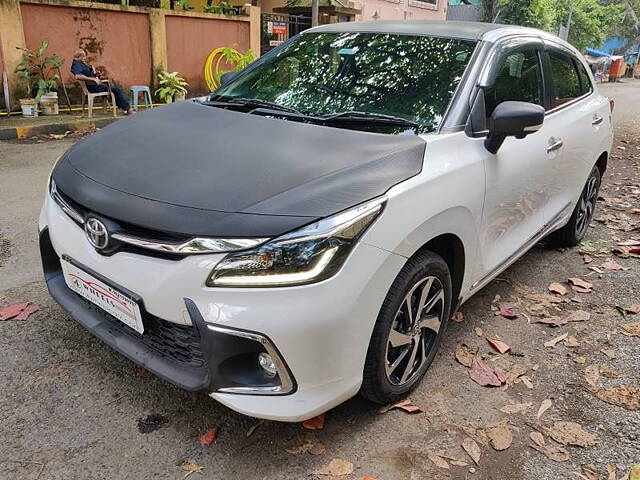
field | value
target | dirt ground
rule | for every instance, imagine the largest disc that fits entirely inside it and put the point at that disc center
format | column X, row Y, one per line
column 72, row 408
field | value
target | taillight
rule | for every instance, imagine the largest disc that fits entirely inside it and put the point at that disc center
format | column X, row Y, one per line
column 612, row 104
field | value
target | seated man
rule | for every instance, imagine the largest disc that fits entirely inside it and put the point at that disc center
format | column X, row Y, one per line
column 83, row 72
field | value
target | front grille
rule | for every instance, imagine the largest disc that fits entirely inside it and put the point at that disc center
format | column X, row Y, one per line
column 180, row 343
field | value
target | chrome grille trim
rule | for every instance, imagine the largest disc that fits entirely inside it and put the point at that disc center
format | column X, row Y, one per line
column 196, row 245
column 192, row 246
column 64, row 205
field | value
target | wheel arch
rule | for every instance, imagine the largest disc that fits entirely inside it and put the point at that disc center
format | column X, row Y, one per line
column 451, row 248
column 601, row 162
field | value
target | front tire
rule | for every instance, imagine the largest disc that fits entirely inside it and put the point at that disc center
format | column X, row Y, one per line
column 573, row 232
column 409, row 329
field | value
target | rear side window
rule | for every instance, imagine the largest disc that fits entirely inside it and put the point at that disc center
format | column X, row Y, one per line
column 566, row 81
column 519, row 78
column 585, row 81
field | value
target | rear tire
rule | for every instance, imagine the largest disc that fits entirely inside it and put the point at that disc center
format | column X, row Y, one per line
column 573, row 232
column 404, row 343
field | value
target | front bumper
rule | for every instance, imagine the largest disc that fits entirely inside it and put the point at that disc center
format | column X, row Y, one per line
column 320, row 331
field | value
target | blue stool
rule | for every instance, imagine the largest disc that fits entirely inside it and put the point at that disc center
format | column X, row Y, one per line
column 136, row 90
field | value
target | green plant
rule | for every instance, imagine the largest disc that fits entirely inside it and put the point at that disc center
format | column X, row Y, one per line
column 38, row 70
column 238, row 60
column 223, row 8
column 171, row 84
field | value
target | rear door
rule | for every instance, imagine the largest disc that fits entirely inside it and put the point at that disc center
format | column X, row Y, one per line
column 575, row 122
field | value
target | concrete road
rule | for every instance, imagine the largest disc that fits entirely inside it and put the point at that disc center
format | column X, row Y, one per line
column 73, row 408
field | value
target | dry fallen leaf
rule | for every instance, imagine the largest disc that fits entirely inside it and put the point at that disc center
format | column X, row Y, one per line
column 592, row 374
column 634, row 473
column 544, row 406
column 612, row 471
column 571, row 433
column 557, row 454
column 499, row 345
column 12, row 311
column 438, row 461
column 580, row 359
column 515, row 408
column 253, row 428
column 527, row 381
column 571, row 342
column 609, row 352
column 552, row 321
column 26, row 313
column 190, row 466
column 507, row 313
column 310, row 446
column 537, row 438
column 625, row 396
column 553, row 342
column 479, row 332
column 516, row 372
column 465, row 355
column 578, row 316
column 635, row 308
column 457, row 317
column 473, row 450
column 315, row 423
column 609, row 372
column 590, row 473
column 558, row 288
column 405, row 405
column 337, row 468
column 631, row 329
column 578, row 282
column 209, row 436
column 483, row 375
column 612, row 266
column 499, row 435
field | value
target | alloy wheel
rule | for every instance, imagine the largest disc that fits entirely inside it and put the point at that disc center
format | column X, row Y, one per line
column 587, row 205
column 414, row 330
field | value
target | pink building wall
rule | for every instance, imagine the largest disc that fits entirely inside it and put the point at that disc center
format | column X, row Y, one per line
column 400, row 10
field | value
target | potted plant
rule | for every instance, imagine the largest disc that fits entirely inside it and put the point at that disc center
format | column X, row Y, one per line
column 38, row 73
column 235, row 59
column 172, row 87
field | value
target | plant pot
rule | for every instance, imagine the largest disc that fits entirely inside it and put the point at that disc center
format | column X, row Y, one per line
column 29, row 107
column 49, row 103
column 178, row 97
column 168, row 100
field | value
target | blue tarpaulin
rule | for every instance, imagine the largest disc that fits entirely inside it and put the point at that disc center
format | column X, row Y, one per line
column 597, row 53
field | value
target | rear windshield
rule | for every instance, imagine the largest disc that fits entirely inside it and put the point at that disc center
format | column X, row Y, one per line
column 407, row 76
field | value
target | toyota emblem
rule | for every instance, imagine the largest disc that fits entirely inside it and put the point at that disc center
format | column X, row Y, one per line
column 97, row 233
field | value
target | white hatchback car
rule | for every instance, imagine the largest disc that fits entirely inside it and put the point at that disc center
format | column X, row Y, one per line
column 304, row 233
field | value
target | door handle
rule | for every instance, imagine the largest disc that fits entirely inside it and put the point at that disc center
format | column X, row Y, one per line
column 554, row 145
column 597, row 120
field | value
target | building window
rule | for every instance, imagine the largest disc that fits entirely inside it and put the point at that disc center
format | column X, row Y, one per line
column 430, row 4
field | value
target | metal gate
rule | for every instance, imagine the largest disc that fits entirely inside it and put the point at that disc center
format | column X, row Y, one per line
column 277, row 28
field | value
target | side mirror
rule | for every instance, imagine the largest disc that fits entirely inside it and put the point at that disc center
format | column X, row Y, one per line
column 513, row 119
column 227, row 78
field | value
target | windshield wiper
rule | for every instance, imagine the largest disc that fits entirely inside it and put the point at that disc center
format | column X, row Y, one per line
column 251, row 103
column 377, row 118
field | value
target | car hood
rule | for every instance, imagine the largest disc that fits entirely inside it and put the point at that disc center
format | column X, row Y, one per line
column 199, row 170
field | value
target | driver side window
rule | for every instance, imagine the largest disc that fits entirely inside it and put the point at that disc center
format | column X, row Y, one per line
column 519, row 78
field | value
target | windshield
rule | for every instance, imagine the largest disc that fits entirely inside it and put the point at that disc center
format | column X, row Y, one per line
column 406, row 76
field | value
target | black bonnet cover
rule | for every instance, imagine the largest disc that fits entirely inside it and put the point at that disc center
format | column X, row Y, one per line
column 199, row 170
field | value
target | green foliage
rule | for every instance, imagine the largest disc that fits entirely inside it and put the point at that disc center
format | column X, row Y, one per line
column 223, row 8
column 184, row 5
column 591, row 20
column 171, row 84
column 238, row 60
column 38, row 71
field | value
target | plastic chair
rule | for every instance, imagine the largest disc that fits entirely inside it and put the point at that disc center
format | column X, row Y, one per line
column 91, row 96
column 136, row 90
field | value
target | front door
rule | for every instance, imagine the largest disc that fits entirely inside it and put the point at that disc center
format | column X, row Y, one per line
column 515, row 196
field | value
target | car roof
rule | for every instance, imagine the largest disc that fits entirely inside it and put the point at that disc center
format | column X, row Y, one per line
column 447, row 29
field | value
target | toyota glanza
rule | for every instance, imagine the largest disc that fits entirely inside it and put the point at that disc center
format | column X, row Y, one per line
column 304, row 233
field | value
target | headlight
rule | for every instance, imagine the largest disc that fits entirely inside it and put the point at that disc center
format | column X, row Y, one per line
column 313, row 253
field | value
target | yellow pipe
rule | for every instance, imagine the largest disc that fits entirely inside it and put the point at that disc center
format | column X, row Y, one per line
column 211, row 72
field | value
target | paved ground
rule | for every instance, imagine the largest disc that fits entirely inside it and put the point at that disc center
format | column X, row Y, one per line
column 72, row 408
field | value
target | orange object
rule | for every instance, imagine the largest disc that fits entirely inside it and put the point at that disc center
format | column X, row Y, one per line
column 315, row 423
column 209, row 436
